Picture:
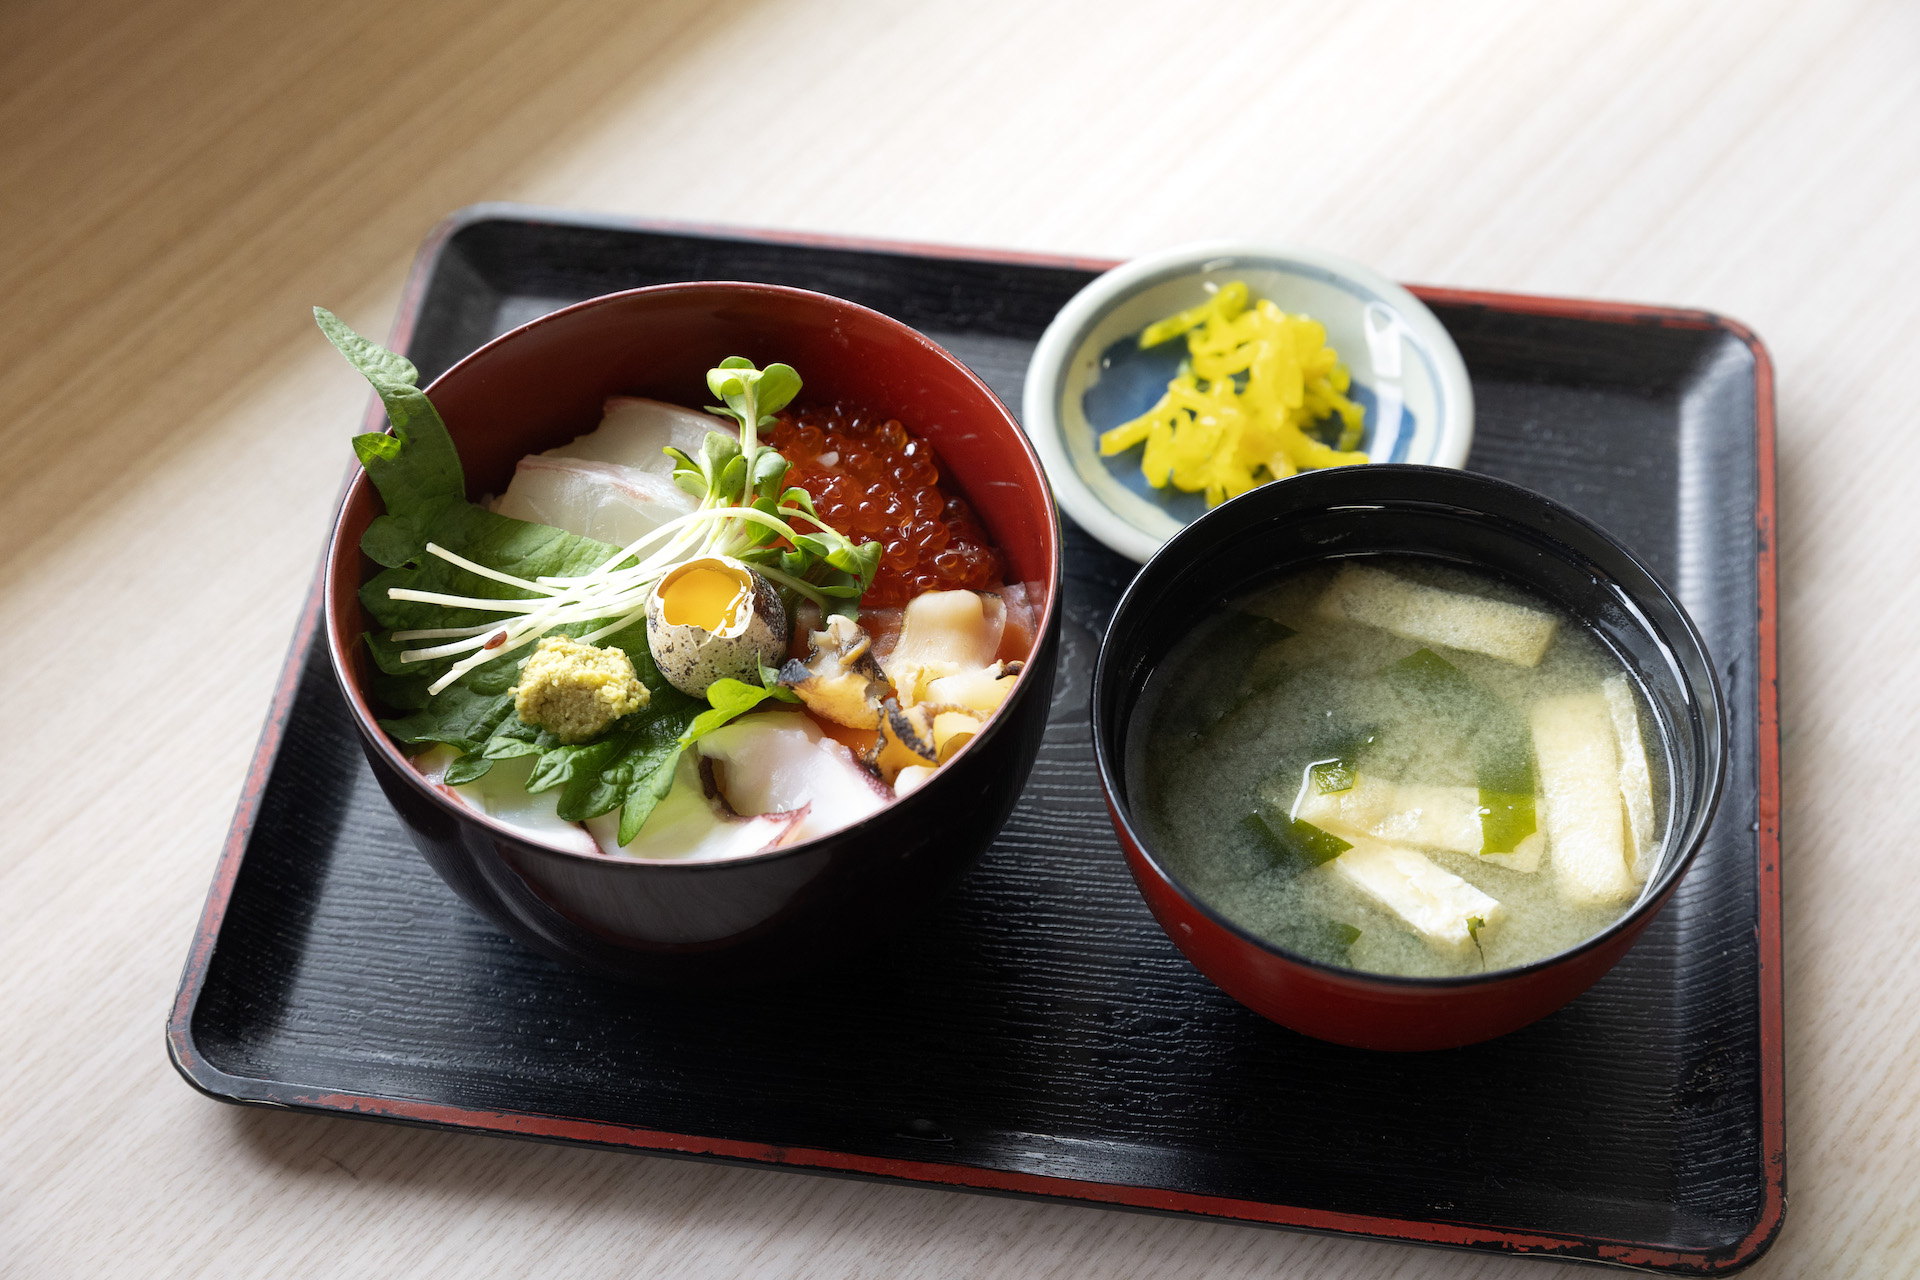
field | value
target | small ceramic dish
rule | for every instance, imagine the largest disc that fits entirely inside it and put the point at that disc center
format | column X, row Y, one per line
column 1089, row 374
column 1448, row 516
column 775, row 914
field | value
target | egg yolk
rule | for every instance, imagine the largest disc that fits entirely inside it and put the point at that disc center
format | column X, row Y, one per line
column 702, row 597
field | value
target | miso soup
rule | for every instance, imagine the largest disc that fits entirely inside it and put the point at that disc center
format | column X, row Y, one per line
column 1402, row 766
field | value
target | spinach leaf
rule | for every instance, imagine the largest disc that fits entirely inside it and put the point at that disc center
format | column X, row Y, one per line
column 417, row 473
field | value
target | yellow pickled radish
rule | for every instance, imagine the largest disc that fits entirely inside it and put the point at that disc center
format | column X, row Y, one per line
column 1235, row 415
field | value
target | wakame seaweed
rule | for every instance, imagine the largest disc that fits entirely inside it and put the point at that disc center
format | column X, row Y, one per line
column 1503, row 747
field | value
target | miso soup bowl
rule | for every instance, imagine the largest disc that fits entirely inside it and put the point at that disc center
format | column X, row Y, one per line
column 1465, row 520
column 783, row 912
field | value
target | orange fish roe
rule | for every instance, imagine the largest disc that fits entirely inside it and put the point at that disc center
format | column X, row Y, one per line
column 876, row 481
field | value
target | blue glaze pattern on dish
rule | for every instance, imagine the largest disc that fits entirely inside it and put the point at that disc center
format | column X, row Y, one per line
column 1132, row 381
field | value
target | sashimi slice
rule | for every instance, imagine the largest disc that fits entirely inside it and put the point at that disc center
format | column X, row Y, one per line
column 779, row 762
column 635, row 433
column 501, row 794
column 1430, row 615
column 686, row 826
column 599, row 500
column 944, row 633
column 1016, row 640
column 1636, row 779
column 1573, row 740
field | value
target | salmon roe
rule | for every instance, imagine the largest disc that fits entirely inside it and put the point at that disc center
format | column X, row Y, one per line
column 875, row 481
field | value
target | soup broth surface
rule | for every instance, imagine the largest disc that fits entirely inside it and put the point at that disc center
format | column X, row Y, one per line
column 1294, row 730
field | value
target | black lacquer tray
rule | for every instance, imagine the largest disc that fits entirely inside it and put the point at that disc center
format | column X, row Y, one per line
column 1038, row 1034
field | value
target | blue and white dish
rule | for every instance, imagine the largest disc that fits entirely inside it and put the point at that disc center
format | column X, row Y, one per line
column 1089, row 374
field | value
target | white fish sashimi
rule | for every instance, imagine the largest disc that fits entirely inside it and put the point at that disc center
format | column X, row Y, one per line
column 599, row 500
column 615, row 483
column 501, row 793
column 779, row 762
column 686, row 826
column 634, row 433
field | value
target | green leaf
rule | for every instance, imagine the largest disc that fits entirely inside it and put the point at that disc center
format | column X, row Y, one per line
column 779, row 384
column 652, row 779
column 380, row 366
column 416, row 469
column 752, row 396
column 641, row 741
column 560, row 764
column 797, row 497
column 1502, row 745
column 718, row 450
column 1291, row 844
column 732, row 698
column 769, row 471
column 467, row 768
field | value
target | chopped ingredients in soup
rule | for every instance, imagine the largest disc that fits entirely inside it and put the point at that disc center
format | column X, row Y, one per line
column 1321, row 766
column 663, row 567
column 1247, row 405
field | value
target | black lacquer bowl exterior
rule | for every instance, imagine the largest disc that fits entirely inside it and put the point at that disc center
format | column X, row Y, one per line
column 781, row 913
column 1450, row 516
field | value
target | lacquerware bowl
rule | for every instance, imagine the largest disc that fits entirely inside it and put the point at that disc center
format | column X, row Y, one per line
column 1088, row 374
column 781, row 913
column 1451, row 516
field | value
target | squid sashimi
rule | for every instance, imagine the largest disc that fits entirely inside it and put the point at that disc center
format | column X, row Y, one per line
column 502, row 793
column 780, row 762
column 690, row 825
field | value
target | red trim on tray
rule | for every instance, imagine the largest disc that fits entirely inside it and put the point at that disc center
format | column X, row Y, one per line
column 214, row 912
column 218, row 1084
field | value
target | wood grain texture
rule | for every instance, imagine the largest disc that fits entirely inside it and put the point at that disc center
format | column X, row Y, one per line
column 178, row 183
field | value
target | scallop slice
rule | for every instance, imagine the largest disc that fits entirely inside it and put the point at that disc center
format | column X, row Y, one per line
column 775, row 762
column 688, row 826
column 944, row 633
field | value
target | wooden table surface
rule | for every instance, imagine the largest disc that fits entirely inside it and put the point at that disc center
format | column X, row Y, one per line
column 180, row 182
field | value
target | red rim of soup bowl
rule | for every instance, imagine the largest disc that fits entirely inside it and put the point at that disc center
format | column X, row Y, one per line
column 1368, row 1010
column 542, row 384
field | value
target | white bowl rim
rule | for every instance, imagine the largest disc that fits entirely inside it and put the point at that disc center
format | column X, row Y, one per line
column 1040, row 416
